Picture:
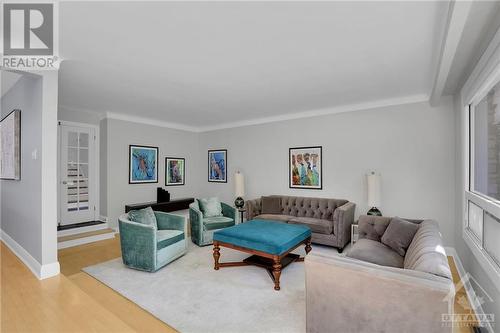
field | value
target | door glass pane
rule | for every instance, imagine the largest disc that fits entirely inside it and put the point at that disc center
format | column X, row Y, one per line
column 83, row 170
column 73, row 155
column 72, row 139
column 84, row 155
column 487, row 144
column 84, row 140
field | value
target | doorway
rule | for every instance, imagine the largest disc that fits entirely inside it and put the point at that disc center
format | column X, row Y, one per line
column 78, row 173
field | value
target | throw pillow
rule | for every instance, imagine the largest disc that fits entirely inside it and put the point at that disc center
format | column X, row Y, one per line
column 271, row 205
column 144, row 216
column 210, row 207
column 399, row 234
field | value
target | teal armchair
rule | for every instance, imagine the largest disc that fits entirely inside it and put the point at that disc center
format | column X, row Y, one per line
column 203, row 228
column 147, row 248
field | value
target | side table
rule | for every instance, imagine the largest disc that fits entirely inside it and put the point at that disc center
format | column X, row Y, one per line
column 241, row 211
column 354, row 233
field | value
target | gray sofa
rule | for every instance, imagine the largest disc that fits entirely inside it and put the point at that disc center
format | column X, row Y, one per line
column 330, row 220
column 350, row 294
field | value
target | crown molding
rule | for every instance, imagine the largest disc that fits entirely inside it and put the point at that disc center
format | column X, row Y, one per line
column 323, row 112
column 292, row 116
column 150, row 121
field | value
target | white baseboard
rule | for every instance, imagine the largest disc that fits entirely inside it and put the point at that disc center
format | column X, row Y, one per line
column 84, row 240
column 471, row 294
column 39, row 270
column 103, row 218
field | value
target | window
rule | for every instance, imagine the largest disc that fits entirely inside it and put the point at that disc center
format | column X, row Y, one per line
column 491, row 232
column 485, row 134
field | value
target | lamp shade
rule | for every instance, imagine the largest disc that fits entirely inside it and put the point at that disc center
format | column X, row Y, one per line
column 239, row 184
column 373, row 190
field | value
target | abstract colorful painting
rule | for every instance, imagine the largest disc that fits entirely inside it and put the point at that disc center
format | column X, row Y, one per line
column 174, row 171
column 217, row 166
column 305, row 170
column 143, row 164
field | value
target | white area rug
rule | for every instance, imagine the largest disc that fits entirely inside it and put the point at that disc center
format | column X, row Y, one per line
column 191, row 296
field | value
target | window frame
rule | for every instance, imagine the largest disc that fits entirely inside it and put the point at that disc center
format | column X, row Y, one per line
column 479, row 89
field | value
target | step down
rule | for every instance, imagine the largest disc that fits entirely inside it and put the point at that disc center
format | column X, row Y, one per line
column 84, row 238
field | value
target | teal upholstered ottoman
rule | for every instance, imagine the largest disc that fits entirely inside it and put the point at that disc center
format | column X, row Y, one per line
column 270, row 244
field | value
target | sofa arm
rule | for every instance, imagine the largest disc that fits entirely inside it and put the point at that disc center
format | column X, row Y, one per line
column 348, row 295
column 170, row 221
column 343, row 218
column 230, row 212
column 253, row 208
column 138, row 244
column 196, row 222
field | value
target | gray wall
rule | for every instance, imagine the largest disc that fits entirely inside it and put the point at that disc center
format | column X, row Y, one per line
column 412, row 146
column 172, row 143
column 21, row 205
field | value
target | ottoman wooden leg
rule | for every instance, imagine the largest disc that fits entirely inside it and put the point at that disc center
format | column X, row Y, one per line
column 216, row 255
column 276, row 272
column 308, row 245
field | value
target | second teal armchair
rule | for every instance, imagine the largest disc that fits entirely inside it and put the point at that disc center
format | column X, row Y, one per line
column 203, row 228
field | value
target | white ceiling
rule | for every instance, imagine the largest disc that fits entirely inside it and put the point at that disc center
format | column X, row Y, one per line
column 207, row 64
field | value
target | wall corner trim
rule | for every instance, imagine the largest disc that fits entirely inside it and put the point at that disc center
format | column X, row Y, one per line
column 40, row 271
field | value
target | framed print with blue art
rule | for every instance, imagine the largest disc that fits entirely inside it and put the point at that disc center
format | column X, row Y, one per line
column 143, row 164
column 175, row 171
column 217, row 166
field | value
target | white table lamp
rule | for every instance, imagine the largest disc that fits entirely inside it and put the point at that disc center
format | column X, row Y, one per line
column 239, row 189
column 373, row 194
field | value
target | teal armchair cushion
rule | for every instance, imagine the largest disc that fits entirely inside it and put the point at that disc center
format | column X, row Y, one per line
column 145, row 216
column 210, row 207
column 217, row 222
column 166, row 238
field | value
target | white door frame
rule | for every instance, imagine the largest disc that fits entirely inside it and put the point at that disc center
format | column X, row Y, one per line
column 97, row 216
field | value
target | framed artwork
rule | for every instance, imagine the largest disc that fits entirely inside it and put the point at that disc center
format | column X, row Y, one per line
column 175, row 171
column 10, row 146
column 143, row 164
column 305, row 168
column 217, row 166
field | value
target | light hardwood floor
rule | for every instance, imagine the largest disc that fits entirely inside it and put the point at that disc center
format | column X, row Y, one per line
column 76, row 302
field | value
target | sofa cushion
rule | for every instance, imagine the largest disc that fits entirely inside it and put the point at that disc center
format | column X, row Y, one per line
column 210, row 207
column 145, row 216
column 399, row 234
column 316, row 225
column 372, row 227
column 426, row 252
column 274, row 217
column 376, row 253
column 167, row 237
column 217, row 222
column 271, row 205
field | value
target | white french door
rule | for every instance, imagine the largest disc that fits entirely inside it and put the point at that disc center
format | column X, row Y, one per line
column 77, row 173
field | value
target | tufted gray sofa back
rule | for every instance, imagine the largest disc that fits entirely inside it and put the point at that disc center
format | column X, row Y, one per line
column 373, row 227
column 319, row 208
